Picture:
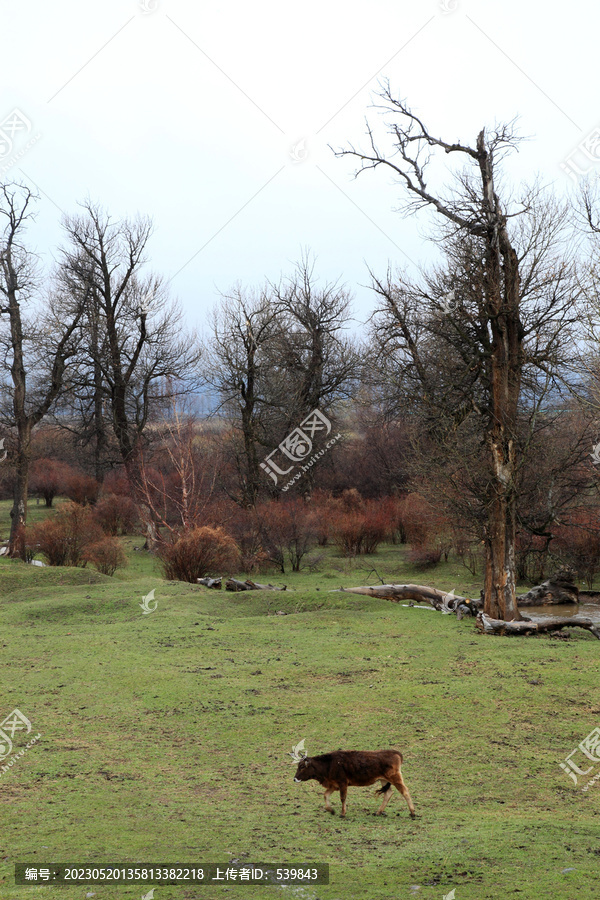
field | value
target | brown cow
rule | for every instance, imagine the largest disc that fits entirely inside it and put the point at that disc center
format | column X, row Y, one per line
column 355, row 768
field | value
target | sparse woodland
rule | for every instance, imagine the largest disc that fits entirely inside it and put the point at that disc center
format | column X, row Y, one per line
column 467, row 406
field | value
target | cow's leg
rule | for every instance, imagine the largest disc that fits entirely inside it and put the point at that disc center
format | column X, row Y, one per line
column 328, row 805
column 343, row 792
column 386, row 798
column 398, row 782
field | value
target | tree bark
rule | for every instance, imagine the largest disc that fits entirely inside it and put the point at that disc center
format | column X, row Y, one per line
column 18, row 513
column 550, row 592
column 487, row 625
column 445, row 601
column 233, row 584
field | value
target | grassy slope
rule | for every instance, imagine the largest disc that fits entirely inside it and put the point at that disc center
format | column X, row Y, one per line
column 165, row 737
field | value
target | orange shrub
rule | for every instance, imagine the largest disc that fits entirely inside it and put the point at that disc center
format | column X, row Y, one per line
column 49, row 477
column 360, row 530
column 62, row 539
column 82, row 488
column 116, row 514
column 107, row 555
column 287, row 529
column 199, row 552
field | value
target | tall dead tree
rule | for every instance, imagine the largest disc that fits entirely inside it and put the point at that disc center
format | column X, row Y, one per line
column 319, row 363
column 473, row 215
column 36, row 348
column 136, row 353
column 244, row 327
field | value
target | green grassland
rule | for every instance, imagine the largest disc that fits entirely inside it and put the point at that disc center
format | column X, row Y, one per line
column 165, row 737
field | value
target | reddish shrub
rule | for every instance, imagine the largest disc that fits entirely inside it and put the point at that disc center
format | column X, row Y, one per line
column 107, row 555
column 424, row 557
column 347, row 531
column 82, row 488
column 199, row 552
column 375, row 526
column 63, row 538
column 350, row 500
column 117, row 482
column 116, row 514
column 49, row 477
column 288, row 529
column 243, row 526
column 360, row 530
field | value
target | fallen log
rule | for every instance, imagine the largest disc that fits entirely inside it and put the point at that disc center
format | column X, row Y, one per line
column 445, row 601
column 553, row 590
column 214, row 583
column 232, row 584
column 496, row 626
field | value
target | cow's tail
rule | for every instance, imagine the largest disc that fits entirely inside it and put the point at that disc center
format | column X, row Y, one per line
column 385, row 787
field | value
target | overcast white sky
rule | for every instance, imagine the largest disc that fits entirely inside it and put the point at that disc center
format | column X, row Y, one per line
column 190, row 112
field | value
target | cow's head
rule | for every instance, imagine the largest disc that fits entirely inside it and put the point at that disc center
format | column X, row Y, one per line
column 305, row 771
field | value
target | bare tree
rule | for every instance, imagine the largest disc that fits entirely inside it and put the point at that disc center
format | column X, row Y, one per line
column 317, row 363
column 36, row 348
column 178, row 491
column 137, row 354
column 493, row 343
column 244, row 328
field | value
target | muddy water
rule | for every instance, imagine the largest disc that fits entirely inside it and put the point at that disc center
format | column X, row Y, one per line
column 539, row 613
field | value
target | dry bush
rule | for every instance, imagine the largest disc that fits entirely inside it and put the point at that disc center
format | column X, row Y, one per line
column 360, row 531
column 82, row 488
column 416, row 519
column 350, row 500
column 199, row 552
column 288, row 531
column 63, row 539
column 116, row 514
column 117, row 482
column 423, row 556
column 50, row 477
column 347, row 529
column 107, row 555
column 375, row 525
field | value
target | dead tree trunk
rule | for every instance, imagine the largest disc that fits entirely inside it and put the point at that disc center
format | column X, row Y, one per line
column 487, row 625
column 232, row 584
column 550, row 592
column 213, row 583
column 445, row 601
